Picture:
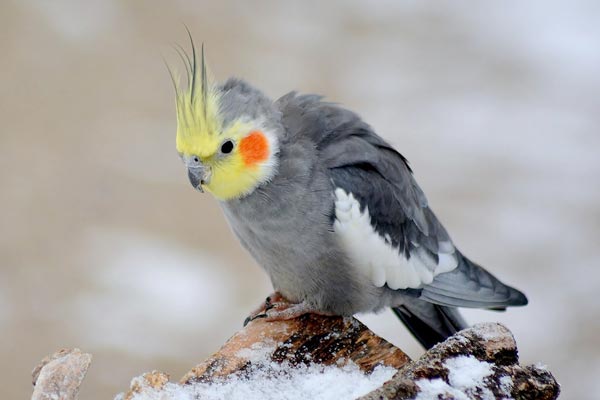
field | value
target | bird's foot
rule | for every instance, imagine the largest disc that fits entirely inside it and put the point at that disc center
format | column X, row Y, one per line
column 278, row 308
column 275, row 300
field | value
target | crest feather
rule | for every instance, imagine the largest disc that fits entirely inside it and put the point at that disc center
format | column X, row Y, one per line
column 197, row 102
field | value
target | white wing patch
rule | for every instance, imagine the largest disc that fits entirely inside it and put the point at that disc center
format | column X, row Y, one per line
column 380, row 261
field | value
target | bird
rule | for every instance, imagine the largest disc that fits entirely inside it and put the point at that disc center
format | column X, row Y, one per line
column 329, row 209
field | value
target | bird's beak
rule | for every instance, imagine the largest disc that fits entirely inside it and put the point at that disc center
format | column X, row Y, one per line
column 199, row 175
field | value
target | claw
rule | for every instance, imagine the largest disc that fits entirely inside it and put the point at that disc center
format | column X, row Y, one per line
column 268, row 304
column 251, row 318
column 261, row 312
column 278, row 308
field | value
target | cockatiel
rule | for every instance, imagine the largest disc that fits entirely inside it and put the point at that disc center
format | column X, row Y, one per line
column 328, row 208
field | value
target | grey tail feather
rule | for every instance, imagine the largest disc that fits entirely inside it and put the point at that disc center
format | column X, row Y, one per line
column 469, row 285
column 430, row 323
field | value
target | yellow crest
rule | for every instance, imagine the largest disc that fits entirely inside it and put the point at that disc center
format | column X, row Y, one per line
column 197, row 103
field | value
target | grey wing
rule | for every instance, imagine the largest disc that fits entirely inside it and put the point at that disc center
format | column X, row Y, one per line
column 367, row 169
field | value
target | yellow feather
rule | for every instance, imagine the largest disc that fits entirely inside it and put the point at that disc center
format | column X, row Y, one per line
column 234, row 178
column 200, row 132
column 198, row 122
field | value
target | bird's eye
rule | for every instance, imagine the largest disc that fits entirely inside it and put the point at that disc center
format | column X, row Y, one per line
column 226, row 147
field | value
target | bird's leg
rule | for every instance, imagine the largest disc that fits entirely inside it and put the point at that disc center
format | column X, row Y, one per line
column 278, row 308
column 261, row 311
column 283, row 311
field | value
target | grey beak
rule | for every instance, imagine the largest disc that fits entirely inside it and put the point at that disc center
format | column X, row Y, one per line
column 199, row 175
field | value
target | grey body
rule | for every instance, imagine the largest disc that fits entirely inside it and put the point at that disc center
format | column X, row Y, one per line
column 287, row 222
column 287, row 227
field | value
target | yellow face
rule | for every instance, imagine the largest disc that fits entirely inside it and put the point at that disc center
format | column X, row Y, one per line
column 238, row 158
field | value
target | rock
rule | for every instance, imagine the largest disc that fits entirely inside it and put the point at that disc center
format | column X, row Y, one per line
column 477, row 363
column 148, row 383
column 59, row 375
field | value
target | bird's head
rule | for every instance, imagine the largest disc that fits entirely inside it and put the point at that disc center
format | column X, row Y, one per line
column 227, row 135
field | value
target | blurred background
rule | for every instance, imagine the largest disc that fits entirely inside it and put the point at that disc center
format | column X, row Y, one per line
column 105, row 246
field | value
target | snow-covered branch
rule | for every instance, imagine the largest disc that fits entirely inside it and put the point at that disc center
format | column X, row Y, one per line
column 314, row 357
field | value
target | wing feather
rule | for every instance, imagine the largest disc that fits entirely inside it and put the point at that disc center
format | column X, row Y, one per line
column 378, row 178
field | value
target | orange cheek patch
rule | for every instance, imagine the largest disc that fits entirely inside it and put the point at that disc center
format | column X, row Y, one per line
column 254, row 148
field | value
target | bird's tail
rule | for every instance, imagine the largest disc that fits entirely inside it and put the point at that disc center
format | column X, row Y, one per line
column 430, row 323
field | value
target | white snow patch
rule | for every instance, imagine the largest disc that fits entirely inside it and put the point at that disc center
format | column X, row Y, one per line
column 467, row 373
column 265, row 379
column 258, row 351
column 466, row 378
column 437, row 388
column 506, row 385
column 541, row 366
column 271, row 380
column 489, row 331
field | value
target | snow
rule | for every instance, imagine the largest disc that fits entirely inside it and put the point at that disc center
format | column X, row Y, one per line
column 541, row 366
column 258, row 351
column 466, row 378
column 437, row 388
column 467, row 374
column 489, row 332
column 270, row 380
column 506, row 385
column 267, row 379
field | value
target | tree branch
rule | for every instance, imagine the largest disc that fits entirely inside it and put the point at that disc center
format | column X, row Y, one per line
column 476, row 363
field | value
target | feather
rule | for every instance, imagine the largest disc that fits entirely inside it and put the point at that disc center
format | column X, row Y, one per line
column 369, row 171
column 192, row 80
